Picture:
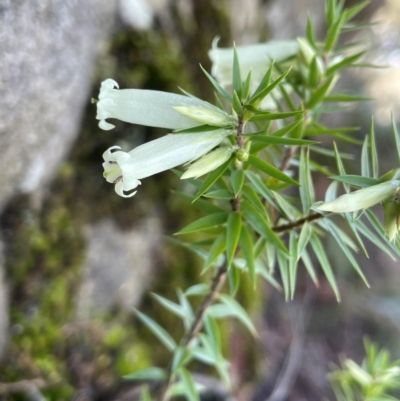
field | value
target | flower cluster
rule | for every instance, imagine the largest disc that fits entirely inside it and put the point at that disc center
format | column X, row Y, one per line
column 164, row 110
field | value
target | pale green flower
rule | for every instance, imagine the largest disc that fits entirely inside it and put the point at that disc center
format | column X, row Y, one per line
column 144, row 107
column 391, row 208
column 361, row 199
column 209, row 162
column 256, row 58
column 126, row 169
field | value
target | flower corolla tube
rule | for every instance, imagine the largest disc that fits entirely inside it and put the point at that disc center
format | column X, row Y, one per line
column 126, row 169
column 145, row 107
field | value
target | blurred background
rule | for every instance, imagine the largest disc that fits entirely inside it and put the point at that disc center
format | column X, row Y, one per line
column 75, row 258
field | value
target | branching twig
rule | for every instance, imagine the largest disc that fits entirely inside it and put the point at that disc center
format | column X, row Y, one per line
column 298, row 223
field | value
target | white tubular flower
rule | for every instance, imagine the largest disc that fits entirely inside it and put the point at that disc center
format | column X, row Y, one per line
column 144, row 107
column 208, row 163
column 361, row 199
column 126, row 169
column 253, row 57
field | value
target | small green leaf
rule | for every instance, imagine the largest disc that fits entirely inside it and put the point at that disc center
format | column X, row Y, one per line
column 219, row 194
column 200, row 204
column 232, row 235
column 147, row 374
column 326, row 266
column 319, row 94
column 270, row 170
column 305, row 235
column 346, row 62
column 197, row 289
column 356, row 180
column 330, row 12
column 237, row 179
column 189, row 385
column 236, row 104
column 213, row 333
column 311, row 32
column 345, row 98
column 215, row 219
column 261, row 187
column 333, row 34
column 265, row 80
column 236, row 76
column 332, row 229
column 211, row 178
column 340, row 166
column 266, row 116
column 374, row 153
column 171, row 306
column 247, row 247
column 252, row 196
column 275, row 140
column 283, row 265
column 261, row 225
column 306, row 188
column 246, row 86
column 314, row 74
column 305, row 257
column 293, row 245
column 217, row 86
column 286, row 208
column 351, row 12
column 157, row 330
column 289, row 128
column 234, row 276
column 237, row 310
column 181, row 358
column 194, row 130
column 217, row 248
column 259, row 96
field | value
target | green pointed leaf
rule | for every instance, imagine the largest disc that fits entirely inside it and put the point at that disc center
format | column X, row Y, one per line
column 261, row 187
column 289, row 128
column 213, row 333
column 263, row 116
column 283, row 265
column 181, row 358
column 374, row 153
column 201, row 204
column 308, row 264
column 237, row 310
column 336, row 235
column 211, row 178
column 288, row 99
column 345, row 98
column 258, row 97
column 236, row 104
column 319, row 94
column 340, row 166
column 306, row 188
column 356, row 180
column 189, row 386
column 246, row 86
column 232, row 235
column 217, row 86
column 346, row 62
column 261, row 225
column 197, row 289
column 304, row 238
column 247, row 246
column 286, row 208
column 219, row 194
column 236, row 76
column 275, row 140
column 311, row 32
column 204, row 223
column 169, row 305
column 326, row 266
column 314, row 75
column 265, row 80
column 365, row 169
column 157, row 330
column 351, row 12
column 197, row 129
column 333, row 34
column 330, row 12
column 237, row 179
column 234, row 276
column 147, row 374
column 252, row 196
column 293, row 245
column 217, row 248
column 396, row 136
column 270, row 170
